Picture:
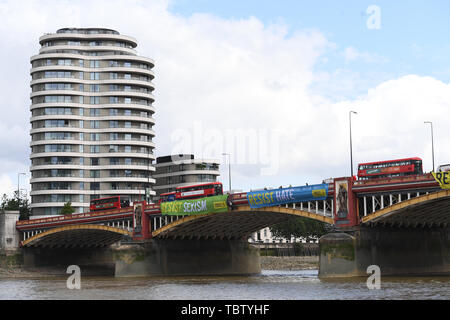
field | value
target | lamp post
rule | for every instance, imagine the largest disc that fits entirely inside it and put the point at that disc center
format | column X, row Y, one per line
column 229, row 170
column 18, row 190
column 432, row 142
column 351, row 151
column 147, row 190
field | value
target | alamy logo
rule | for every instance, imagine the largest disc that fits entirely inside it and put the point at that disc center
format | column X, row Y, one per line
column 74, row 281
column 374, row 20
column 374, row 281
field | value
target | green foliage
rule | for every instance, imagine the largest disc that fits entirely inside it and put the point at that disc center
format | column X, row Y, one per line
column 300, row 227
column 67, row 209
column 23, row 205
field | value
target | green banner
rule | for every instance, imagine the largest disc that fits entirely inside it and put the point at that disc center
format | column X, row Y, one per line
column 197, row 206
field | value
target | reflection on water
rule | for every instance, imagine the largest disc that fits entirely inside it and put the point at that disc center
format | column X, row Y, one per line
column 269, row 285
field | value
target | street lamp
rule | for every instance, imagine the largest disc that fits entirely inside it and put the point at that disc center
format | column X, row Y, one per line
column 229, row 169
column 432, row 142
column 147, row 190
column 18, row 190
column 351, row 152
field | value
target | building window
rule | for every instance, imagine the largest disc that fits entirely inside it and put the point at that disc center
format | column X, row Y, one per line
column 94, row 100
column 95, row 76
column 95, row 173
column 95, row 64
column 113, row 99
column 95, row 185
column 113, row 136
column 95, row 149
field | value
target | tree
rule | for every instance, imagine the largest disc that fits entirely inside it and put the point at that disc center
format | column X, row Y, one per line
column 300, row 227
column 15, row 203
column 67, row 209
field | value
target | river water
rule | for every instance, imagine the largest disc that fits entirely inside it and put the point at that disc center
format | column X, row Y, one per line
column 269, row 285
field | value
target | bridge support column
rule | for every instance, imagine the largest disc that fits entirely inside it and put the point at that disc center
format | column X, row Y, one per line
column 397, row 251
column 187, row 257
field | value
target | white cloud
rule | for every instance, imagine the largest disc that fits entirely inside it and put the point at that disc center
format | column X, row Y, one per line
column 231, row 75
column 351, row 54
column 6, row 186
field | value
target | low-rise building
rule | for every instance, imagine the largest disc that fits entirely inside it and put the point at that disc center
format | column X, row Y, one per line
column 266, row 236
column 181, row 170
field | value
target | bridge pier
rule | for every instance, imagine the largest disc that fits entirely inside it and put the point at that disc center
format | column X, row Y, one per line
column 187, row 257
column 397, row 251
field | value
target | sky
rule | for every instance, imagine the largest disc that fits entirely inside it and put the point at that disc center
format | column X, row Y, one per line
column 269, row 82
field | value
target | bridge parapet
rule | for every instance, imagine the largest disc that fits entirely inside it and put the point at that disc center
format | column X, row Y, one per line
column 120, row 219
column 430, row 209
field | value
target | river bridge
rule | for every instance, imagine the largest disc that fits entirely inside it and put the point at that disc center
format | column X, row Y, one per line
column 395, row 208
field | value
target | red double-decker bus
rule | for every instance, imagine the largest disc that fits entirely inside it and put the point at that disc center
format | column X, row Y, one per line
column 109, row 203
column 168, row 196
column 199, row 191
column 390, row 168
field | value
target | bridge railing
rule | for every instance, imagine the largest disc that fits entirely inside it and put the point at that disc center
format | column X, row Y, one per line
column 69, row 218
column 159, row 221
column 404, row 179
column 371, row 203
column 320, row 207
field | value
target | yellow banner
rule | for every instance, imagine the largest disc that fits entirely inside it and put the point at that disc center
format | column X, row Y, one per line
column 443, row 178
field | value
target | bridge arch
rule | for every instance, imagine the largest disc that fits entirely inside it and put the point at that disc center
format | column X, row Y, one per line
column 82, row 235
column 234, row 224
column 426, row 210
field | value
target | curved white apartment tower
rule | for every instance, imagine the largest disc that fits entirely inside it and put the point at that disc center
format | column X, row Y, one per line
column 91, row 122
